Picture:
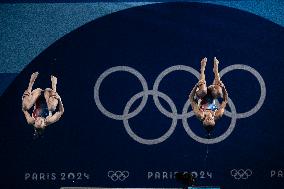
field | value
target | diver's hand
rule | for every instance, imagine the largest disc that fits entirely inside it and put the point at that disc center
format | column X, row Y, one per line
column 201, row 82
column 26, row 93
column 54, row 94
column 221, row 84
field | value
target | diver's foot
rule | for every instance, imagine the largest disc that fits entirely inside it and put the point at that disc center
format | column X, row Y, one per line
column 53, row 79
column 53, row 82
column 32, row 81
column 216, row 63
column 33, row 77
column 203, row 63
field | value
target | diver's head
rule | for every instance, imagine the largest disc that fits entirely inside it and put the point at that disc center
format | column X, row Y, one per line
column 39, row 123
column 208, row 120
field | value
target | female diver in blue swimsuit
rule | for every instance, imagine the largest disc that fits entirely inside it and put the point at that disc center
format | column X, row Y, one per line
column 44, row 102
column 203, row 99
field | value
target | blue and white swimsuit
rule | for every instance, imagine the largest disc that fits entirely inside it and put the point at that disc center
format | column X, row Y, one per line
column 208, row 103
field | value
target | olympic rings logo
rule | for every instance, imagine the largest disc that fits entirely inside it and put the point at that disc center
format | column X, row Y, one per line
column 241, row 174
column 174, row 115
column 118, row 175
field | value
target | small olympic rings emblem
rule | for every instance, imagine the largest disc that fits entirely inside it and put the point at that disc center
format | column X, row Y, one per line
column 118, row 175
column 174, row 115
column 241, row 174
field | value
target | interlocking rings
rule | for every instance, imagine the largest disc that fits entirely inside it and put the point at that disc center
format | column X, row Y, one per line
column 97, row 95
column 156, row 88
column 150, row 141
column 174, row 115
column 214, row 140
column 262, row 88
column 118, row 175
column 241, row 174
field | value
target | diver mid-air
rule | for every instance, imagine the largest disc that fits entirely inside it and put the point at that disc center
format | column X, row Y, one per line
column 203, row 99
column 44, row 102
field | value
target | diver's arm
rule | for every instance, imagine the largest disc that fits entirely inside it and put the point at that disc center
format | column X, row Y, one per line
column 29, row 119
column 191, row 96
column 222, row 106
column 194, row 105
column 225, row 98
column 55, row 117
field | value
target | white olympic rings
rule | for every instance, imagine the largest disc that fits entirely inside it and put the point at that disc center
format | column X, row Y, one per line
column 174, row 114
column 118, row 175
column 241, row 173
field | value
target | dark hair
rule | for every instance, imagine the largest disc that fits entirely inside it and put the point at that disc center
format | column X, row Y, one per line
column 208, row 128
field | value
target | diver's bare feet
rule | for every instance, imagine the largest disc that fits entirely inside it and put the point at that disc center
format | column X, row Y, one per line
column 32, row 81
column 53, row 79
column 34, row 76
column 202, row 70
column 53, row 82
column 203, row 63
column 217, row 80
column 216, row 63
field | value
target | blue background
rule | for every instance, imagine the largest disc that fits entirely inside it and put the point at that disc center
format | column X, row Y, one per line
column 150, row 39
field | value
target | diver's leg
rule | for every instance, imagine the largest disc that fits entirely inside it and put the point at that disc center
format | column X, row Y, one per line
column 30, row 100
column 53, row 83
column 50, row 95
column 216, row 72
column 29, row 96
column 216, row 88
column 50, row 99
column 32, row 81
column 202, row 69
column 202, row 88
